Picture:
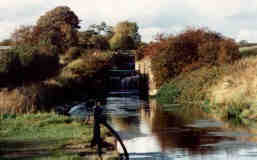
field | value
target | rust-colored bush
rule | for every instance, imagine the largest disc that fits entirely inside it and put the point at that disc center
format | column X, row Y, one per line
column 188, row 51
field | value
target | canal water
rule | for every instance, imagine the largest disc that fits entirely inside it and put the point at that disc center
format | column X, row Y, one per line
column 170, row 132
column 154, row 132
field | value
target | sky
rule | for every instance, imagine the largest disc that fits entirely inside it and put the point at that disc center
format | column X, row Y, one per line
column 233, row 18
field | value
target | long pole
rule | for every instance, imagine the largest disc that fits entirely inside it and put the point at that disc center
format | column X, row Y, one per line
column 118, row 138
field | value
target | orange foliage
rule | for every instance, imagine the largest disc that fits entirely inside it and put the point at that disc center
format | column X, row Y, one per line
column 188, row 51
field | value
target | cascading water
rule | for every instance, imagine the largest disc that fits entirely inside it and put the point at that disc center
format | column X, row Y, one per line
column 123, row 76
column 130, row 82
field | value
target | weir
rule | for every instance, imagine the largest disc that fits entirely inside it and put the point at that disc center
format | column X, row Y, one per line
column 123, row 76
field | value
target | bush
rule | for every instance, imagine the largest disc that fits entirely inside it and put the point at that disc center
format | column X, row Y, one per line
column 33, row 97
column 84, row 69
column 188, row 51
column 38, row 60
column 72, row 53
column 25, row 63
column 87, row 64
column 168, row 94
column 194, row 86
column 9, row 62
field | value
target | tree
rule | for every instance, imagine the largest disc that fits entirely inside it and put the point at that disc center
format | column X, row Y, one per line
column 58, row 27
column 125, row 36
column 102, row 29
column 23, row 34
column 121, row 42
column 90, row 39
column 96, row 36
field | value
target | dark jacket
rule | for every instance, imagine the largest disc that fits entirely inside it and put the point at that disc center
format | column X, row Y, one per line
column 99, row 116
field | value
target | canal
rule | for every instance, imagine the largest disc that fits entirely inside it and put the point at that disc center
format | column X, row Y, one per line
column 154, row 132
column 151, row 131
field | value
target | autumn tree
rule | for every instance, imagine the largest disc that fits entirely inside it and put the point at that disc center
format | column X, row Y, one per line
column 58, row 27
column 188, row 51
column 23, row 34
column 125, row 36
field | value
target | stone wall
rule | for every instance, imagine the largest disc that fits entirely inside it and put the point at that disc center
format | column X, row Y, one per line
column 143, row 66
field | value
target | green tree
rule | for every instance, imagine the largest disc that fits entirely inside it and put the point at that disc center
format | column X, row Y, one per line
column 96, row 36
column 125, row 36
column 102, row 29
column 121, row 42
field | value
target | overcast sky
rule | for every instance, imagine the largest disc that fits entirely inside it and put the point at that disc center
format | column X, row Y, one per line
column 233, row 18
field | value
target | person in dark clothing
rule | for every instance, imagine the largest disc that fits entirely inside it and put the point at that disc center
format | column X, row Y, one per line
column 97, row 133
column 99, row 118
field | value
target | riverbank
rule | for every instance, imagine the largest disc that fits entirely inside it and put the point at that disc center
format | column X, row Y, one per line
column 49, row 136
column 226, row 92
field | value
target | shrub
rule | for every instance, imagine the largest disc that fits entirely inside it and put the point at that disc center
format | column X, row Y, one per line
column 168, row 94
column 83, row 69
column 8, row 62
column 86, row 65
column 194, row 85
column 38, row 60
column 188, row 51
column 26, row 63
column 33, row 97
column 72, row 53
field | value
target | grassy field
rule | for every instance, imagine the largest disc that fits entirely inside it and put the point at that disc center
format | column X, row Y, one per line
column 44, row 136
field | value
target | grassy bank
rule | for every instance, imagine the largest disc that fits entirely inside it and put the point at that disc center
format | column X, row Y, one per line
column 45, row 136
column 225, row 92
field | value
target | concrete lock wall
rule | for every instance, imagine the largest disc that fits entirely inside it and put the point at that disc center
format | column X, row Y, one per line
column 143, row 66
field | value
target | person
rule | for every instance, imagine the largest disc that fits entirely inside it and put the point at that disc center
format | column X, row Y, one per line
column 100, row 118
column 98, row 110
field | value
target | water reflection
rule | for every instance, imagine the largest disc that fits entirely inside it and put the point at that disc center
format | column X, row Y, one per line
column 151, row 132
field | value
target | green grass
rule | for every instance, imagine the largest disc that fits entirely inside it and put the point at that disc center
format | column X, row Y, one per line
column 43, row 136
column 248, row 51
column 42, row 125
